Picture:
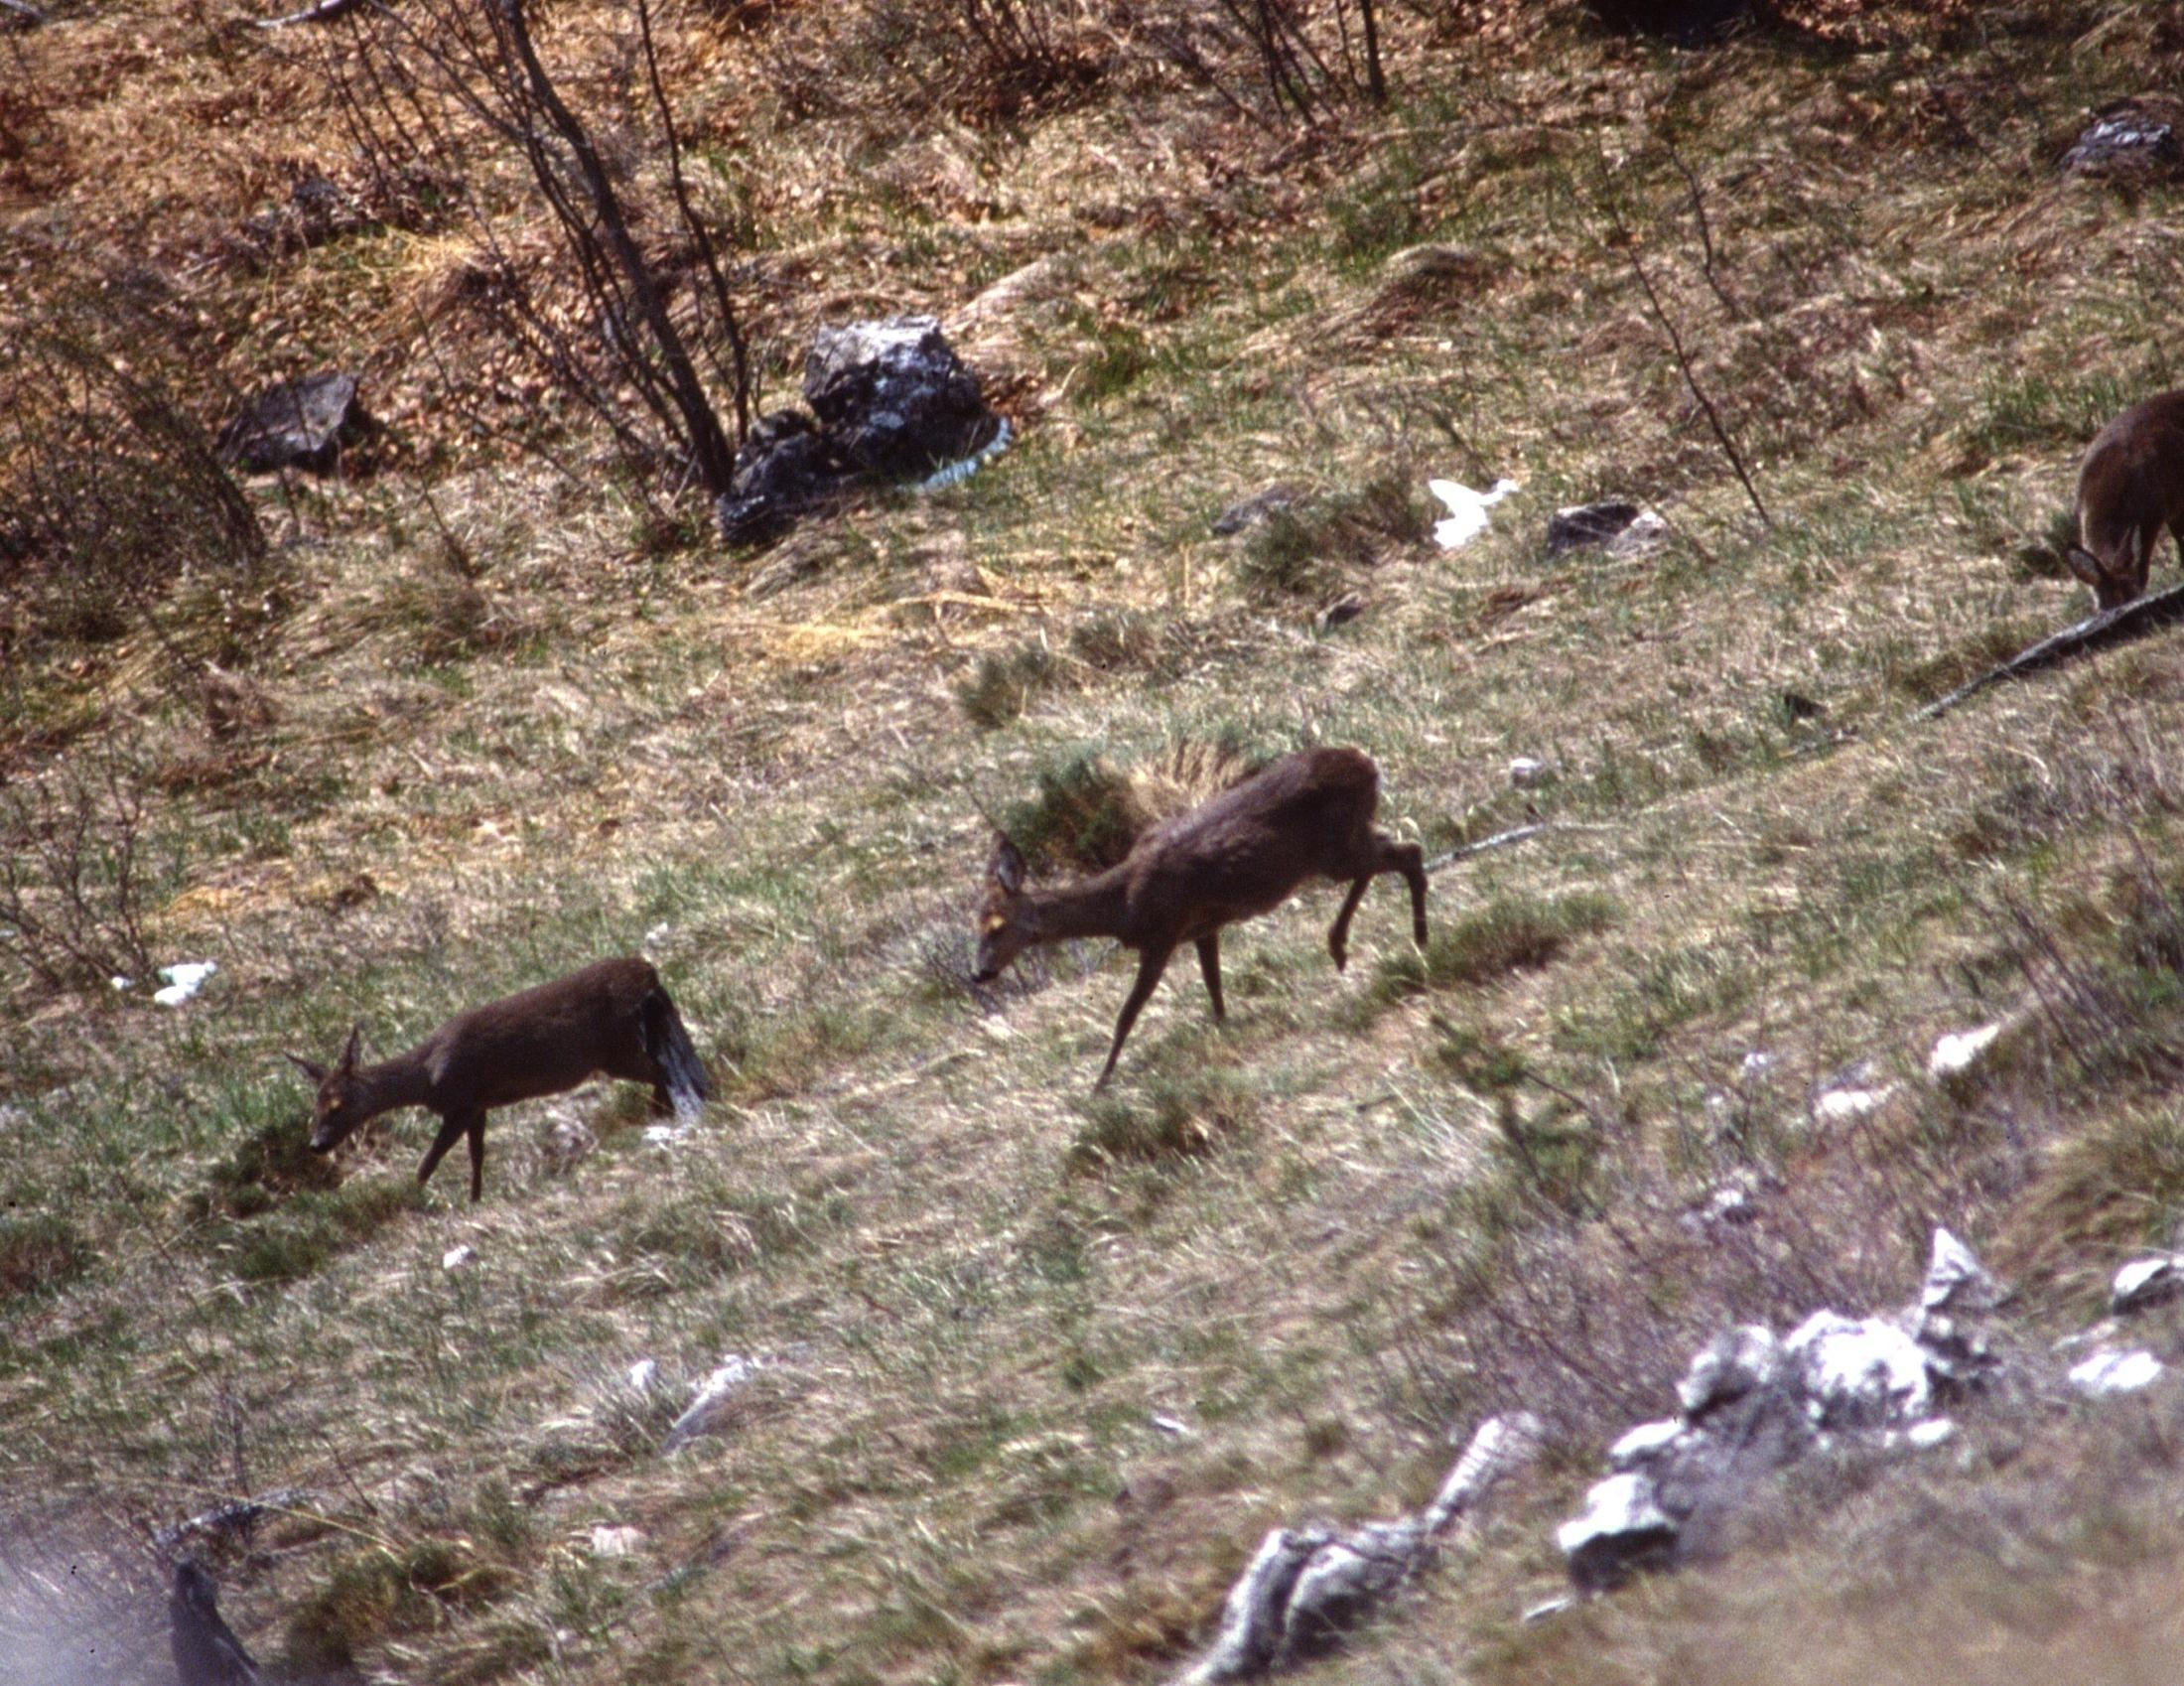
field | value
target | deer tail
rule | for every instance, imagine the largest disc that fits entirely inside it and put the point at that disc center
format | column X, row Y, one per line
column 672, row 1055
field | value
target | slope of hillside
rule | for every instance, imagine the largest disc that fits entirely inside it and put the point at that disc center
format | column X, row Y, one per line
column 1036, row 1370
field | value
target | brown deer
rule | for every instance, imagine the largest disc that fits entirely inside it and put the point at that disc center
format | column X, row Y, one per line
column 2130, row 486
column 1242, row 854
column 612, row 1017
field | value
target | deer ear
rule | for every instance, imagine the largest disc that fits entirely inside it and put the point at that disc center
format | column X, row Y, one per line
column 1007, row 867
column 309, row 1068
column 350, row 1051
column 2084, row 564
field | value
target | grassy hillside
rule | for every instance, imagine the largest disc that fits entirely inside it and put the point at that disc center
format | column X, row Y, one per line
column 1040, row 1368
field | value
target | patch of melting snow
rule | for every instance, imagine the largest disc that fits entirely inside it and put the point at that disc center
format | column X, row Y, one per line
column 2146, row 1282
column 1859, row 1368
column 184, row 979
column 1849, row 1106
column 708, row 1407
column 1642, row 1441
column 2107, row 1374
column 1958, row 1053
column 1935, row 1430
column 642, row 1375
column 457, row 1258
column 668, row 1135
column 1466, row 518
column 954, row 474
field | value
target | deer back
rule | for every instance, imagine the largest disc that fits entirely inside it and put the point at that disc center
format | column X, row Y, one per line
column 540, row 1041
column 1306, row 815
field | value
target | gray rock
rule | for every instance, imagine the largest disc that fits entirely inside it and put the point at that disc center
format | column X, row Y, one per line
column 708, row 1403
column 1955, row 1281
column 1576, row 527
column 1341, row 612
column 788, row 469
column 2109, row 1375
column 1859, row 1373
column 1343, row 1580
column 1741, row 1362
column 894, row 397
column 1252, row 1620
column 2130, row 136
column 1621, row 1531
column 298, row 424
column 1497, row 1449
column 2146, row 1282
column 1250, row 511
column 1648, row 1442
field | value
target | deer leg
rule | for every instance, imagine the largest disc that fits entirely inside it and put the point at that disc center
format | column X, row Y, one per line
column 478, row 1157
column 1409, row 859
column 1151, row 964
column 451, row 1132
column 1209, row 963
column 1339, row 933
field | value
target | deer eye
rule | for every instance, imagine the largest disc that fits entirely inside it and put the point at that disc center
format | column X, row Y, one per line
column 995, row 924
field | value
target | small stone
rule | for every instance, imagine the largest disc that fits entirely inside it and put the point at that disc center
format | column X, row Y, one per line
column 1497, row 1449
column 708, row 1403
column 1935, row 1430
column 457, row 1258
column 1954, row 1279
column 1529, row 772
column 2106, row 1375
column 1341, row 612
column 1576, row 527
column 609, row 1541
column 1547, row 1610
column 642, row 1376
column 1954, row 1055
column 1621, row 1531
column 1643, row 1443
column 1252, row 1617
column 2128, row 136
column 1250, row 511
column 1731, row 1366
column 2146, row 1282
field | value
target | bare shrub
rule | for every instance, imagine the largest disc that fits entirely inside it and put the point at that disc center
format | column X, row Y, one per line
column 75, row 870
column 109, row 490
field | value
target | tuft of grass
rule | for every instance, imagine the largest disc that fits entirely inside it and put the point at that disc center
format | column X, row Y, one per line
column 1178, row 1117
column 293, row 1241
column 269, row 1164
column 1511, row 933
column 1004, row 683
column 1300, row 549
column 38, row 1253
column 377, row 1593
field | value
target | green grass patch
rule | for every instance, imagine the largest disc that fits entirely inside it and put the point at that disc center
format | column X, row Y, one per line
column 38, row 1253
column 1511, row 933
column 296, row 1238
column 1004, row 683
column 1175, row 1118
column 1300, row 550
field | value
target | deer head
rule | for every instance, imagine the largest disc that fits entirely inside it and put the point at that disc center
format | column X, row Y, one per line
column 2112, row 583
column 1003, row 921
column 340, row 1105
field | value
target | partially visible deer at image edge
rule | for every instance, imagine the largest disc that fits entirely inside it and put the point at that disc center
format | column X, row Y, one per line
column 2129, row 488
column 1242, row 854
column 612, row 1017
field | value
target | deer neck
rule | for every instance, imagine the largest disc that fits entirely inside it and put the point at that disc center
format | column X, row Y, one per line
column 1095, row 906
column 404, row 1080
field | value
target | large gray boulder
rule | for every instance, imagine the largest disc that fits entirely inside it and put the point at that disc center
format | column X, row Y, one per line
column 892, row 396
column 298, row 424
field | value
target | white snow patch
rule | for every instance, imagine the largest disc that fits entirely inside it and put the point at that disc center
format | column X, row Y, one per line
column 1467, row 509
column 607, row 1540
column 709, row 1402
column 1956, row 1054
column 2143, row 1282
column 1849, row 1106
column 184, row 979
column 457, row 1258
column 642, row 1375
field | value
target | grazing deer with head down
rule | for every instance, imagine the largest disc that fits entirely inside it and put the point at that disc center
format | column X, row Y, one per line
column 2130, row 486
column 1307, row 815
column 612, row 1017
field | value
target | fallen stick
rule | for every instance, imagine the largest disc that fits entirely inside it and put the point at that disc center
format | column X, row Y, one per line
column 1500, row 840
column 324, row 12
column 2133, row 619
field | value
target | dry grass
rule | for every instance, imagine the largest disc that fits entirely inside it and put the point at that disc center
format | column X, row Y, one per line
column 522, row 727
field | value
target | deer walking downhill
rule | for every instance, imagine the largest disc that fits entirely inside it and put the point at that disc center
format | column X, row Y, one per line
column 612, row 1017
column 1242, row 854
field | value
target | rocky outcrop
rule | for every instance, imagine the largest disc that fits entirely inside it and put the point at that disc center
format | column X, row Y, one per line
column 1753, row 1402
column 1305, row 1587
column 889, row 400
